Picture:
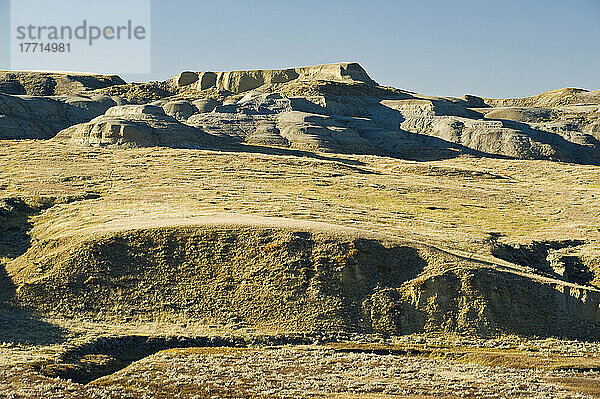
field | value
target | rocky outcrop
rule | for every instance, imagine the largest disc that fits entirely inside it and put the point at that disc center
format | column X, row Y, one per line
column 521, row 114
column 53, row 83
column 30, row 117
column 180, row 109
column 339, row 72
column 267, row 133
column 241, row 81
column 529, row 133
column 485, row 137
column 487, row 302
column 204, row 105
column 184, row 78
column 321, row 133
column 136, row 125
column 271, row 119
column 346, row 111
column 385, row 121
column 552, row 98
column 393, row 126
column 421, row 107
column 228, row 125
column 206, row 80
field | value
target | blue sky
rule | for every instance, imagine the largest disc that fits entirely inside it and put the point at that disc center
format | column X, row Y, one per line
column 490, row 48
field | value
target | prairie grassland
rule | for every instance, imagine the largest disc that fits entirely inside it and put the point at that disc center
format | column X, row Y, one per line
column 453, row 203
column 457, row 204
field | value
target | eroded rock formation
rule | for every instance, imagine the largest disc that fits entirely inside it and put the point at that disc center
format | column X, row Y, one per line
column 136, row 125
column 330, row 108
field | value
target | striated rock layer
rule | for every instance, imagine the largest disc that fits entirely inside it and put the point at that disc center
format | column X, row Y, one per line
column 137, row 125
column 329, row 108
column 240, row 81
column 33, row 117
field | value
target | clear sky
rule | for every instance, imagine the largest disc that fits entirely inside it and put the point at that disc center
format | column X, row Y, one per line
column 491, row 48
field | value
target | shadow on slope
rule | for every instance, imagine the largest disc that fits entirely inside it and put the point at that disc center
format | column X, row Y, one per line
column 489, row 302
column 572, row 152
column 15, row 227
column 260, row 149
column 20, row 326
column 17, row 325
column 107, row 355
column 290, row 280
column 547, row 257
column 359, row 130
column 433, row 149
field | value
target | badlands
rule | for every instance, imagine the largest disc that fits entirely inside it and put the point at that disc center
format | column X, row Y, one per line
column 303, row 232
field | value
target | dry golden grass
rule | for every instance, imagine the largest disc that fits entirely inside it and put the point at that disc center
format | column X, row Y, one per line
column 584, row 385
column 489, row 357
column 310, row 372
column 452, row 204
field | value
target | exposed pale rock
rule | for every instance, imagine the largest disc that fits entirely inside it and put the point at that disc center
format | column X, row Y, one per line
column 185, row 78
column 593, row 129
column 263, row 103
column 520, row 114
column 159, row 103
column 241, row 81
column 180, row 110
column 424, row 107
column 136, row 125
column 348, row 112
column 552, row 98
column 338, row 72
column 53, row 83
column 485, row 136
column 136, row 110
column 29, row 117
column 322, row 133
column 206, row 80
column 230, row 101
column 204, row 105
column 267, row 133
column 230, row 125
